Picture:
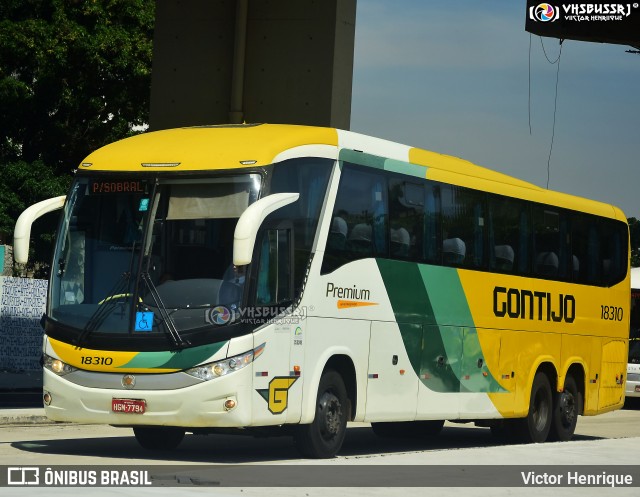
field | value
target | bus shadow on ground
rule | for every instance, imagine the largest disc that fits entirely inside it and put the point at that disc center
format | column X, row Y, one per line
column 632, row 404
column 237, row 449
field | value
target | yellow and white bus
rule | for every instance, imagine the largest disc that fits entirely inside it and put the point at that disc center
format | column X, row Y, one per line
column 633, row 366
column 291, row 278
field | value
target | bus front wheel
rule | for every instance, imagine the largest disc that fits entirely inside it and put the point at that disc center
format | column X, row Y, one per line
column 324, row 436
column 158, row 437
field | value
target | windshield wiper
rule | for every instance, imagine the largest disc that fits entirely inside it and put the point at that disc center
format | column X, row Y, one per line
column 105, row 306
column 170, row 326
column 108, row 304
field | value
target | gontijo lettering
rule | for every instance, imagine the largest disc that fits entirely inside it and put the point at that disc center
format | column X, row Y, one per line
column 515, row 303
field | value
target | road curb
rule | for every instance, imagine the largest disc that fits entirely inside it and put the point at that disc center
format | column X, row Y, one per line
column 24, row 417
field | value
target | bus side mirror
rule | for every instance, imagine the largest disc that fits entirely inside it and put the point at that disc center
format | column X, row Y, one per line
column 22, row 231
column 244, row 237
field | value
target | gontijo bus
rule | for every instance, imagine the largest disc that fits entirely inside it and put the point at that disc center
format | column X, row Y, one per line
column 289, row 278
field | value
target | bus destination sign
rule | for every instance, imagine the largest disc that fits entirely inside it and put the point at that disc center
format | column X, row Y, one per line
column 118, row 186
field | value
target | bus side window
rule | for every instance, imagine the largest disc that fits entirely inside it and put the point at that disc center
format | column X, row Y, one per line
column 463, row 225
column 360, row 217
column 274, row 284
column 611, row 250
column 406, row 213
column 432, row 225
column 583, row 254
column 546, row 242
column 593, row 253
column 509, row 235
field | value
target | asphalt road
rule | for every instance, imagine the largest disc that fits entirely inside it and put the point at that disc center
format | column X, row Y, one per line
column 602, row 441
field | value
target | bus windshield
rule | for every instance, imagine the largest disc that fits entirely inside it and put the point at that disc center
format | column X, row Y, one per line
column 148, row 255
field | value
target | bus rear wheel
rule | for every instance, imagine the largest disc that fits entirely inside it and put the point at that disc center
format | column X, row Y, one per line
column 535, row 427
column 566, row 407
column 158, row 437
column 323, row 438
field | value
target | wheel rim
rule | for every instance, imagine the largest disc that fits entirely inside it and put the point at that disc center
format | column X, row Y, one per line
column 330, row 412
column 567, row 408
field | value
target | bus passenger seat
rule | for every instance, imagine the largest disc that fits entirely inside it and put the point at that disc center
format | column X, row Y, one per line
column 453, row 251
column 504, row 257
column 400, row 241
column 606, row 268
column 337, row 238
column 547, row 264
column 360, row 239
column 576, row 265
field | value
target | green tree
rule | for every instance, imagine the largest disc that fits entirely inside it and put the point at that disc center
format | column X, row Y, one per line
column 74, row 76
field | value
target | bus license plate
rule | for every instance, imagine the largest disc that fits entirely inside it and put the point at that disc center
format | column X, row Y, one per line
column 128, row 406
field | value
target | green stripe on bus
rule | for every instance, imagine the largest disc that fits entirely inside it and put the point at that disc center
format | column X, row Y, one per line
column 361, row 158
column 407, row 168
column 429, row 302
column 181, row 359
column 452, row 312
column 376, row 162
column 415, row 318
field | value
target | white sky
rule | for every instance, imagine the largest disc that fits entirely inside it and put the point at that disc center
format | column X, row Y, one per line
column 452, row 76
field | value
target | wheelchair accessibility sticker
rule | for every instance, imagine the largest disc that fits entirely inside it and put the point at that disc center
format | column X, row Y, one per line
column 144, row 321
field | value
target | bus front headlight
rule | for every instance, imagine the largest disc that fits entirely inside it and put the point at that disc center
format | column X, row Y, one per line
column 221, row 368
column 57, row 366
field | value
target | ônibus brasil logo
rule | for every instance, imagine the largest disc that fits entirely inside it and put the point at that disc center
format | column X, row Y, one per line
column 544, row 12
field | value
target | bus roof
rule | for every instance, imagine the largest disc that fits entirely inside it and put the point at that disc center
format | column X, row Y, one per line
column 220, row 147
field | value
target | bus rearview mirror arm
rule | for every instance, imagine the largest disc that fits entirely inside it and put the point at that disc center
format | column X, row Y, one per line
column 22, row 231
column 244, row 237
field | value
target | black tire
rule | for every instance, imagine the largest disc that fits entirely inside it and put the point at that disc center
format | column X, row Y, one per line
column 158, row 437
column 535, row 427
column 408, row 429
column 567, row 405
column 322, row 439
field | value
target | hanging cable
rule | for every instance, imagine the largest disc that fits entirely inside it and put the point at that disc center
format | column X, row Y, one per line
column 555, row 107
column 545, row 52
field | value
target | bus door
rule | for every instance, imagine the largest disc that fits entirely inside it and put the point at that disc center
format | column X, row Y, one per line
column 275, row 379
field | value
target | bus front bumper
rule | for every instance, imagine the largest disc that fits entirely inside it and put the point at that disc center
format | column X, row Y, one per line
column 201, row 405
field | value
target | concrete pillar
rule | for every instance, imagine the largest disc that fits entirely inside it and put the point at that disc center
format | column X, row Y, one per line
column 277, row 61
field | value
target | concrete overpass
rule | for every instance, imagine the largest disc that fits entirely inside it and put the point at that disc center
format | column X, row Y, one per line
column 234, row 61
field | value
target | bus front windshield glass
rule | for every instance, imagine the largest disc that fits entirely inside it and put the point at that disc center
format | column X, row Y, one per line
column 148, row 256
